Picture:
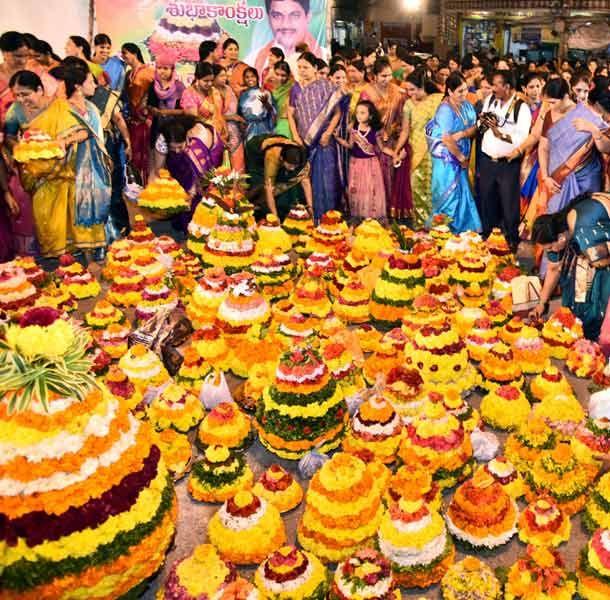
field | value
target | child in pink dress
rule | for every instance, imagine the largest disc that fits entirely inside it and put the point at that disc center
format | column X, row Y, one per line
column 366, row 190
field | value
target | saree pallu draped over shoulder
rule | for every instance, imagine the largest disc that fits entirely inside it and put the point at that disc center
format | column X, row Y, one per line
column 314, row 106
column 93, row 172
column 53, row 184
column 281, row 95
column 421, row 162
column 573, row 162
column 451, row 192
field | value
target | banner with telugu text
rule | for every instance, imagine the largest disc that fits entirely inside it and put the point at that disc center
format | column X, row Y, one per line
column 179, row 27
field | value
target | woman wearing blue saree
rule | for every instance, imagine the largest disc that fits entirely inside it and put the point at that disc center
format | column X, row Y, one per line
column 314, row 114
column 256, row 107
column 93, row 174
column 577, row 244
column 448, row 135
column 569, row 150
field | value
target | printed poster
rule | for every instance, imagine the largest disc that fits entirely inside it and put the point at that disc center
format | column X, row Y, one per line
column 180, row 26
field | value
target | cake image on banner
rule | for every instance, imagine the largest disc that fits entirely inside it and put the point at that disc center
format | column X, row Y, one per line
column 181, row 28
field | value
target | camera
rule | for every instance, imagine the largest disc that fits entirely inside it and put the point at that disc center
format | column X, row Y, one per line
column 487, row 119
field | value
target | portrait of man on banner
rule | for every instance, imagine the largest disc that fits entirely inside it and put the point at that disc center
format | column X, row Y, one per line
column 289, row 21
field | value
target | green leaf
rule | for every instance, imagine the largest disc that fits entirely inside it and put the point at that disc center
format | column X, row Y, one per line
column 20, row 363
column 41, row 390
column 12, row 402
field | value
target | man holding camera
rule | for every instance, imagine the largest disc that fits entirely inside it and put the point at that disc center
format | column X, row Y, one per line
column 505, row 124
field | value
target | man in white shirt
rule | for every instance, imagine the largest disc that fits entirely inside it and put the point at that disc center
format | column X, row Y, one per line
column 506, row 122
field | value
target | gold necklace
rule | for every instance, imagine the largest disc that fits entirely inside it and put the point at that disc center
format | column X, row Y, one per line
column 458, row 110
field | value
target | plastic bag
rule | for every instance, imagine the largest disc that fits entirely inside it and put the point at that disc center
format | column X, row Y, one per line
column 215, row 390
column 485, row 445
column 310, row 463
column 133, row 182
column 599, row 405
column 355, row 400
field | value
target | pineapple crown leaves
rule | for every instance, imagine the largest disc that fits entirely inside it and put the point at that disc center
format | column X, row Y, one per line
column 24, row 380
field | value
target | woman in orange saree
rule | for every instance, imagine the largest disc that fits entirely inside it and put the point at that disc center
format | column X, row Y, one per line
column 201, row 99
column 235, row 67
column 389, row 101
column 139, row 80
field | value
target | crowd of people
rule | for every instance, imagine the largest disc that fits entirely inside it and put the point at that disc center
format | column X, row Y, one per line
column 384, row 134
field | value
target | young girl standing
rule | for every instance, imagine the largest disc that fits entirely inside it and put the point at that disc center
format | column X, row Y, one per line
column 366, row 190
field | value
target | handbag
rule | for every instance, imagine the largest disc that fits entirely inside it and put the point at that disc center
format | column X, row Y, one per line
column 163, row 333
column 525, row 293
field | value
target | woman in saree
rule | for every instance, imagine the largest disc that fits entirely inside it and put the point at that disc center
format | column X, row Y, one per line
column 356, row 72
column 314, row 114
column 234, row 142
column 30, row 100
column 235, row 67
column 268, row 78
column 281, row 96
column 527, row 152
column 569, row 149
column 202, row 100
column 139, row 80
column 256, row 107
column 15, row 55
column 79, row 47
column 449, row 134
column 576, row 241
column 279, row 171
column 338, row 76
column 118, row 147
column 188, row 149
column 389, row 101
column 113, row 66
column 71, row 196
column 423, row 102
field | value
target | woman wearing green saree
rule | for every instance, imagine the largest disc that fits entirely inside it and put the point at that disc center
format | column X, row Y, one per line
column 279, row 174
column 418, row 110
column 281, row 95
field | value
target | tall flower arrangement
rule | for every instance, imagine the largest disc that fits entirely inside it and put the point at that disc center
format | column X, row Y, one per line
column 87, row 506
